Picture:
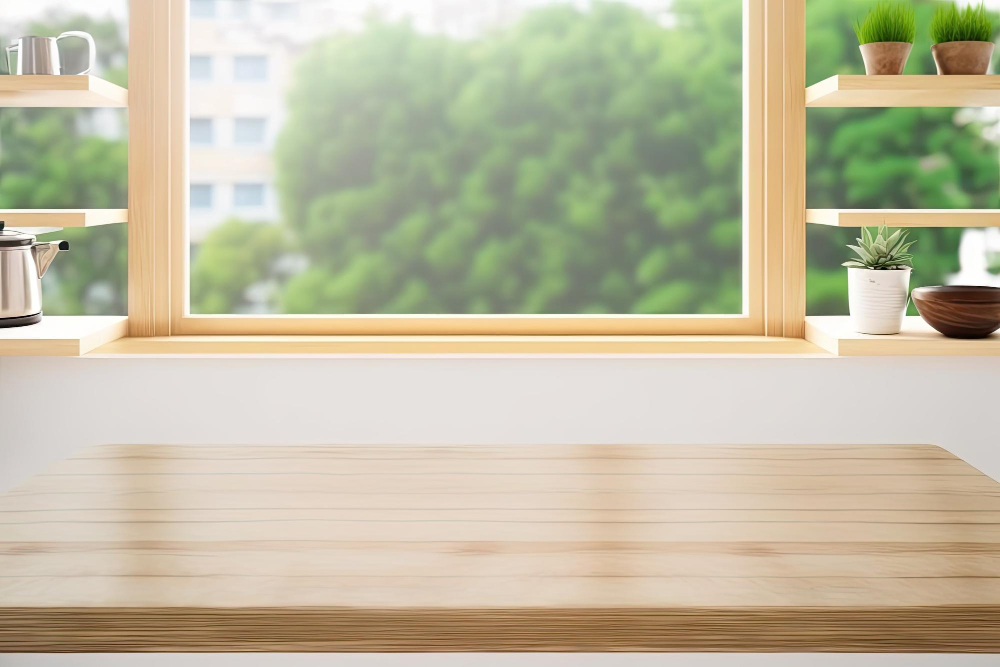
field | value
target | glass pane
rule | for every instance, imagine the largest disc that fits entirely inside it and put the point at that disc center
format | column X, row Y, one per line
column 895, row 158
column 249, row 131
column 201, row 131
column 250, row 68
column 202, row 9
column 240, row 8
column 72, row 158
column 201, row 195
column 283, row 10
column 201, row 68
column 453, row 157
column 248, row 195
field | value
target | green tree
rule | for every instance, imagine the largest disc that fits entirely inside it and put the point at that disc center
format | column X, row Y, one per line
column 578, row 161
column 50, row 159
column 240, row 254
column 581, row 161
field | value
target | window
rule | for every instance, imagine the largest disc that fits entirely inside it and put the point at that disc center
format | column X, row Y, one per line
column 249, row 131
column 201, row 196
column 594, row 191
column 201, row 68
column 240, row 9
column 248, row 195
column 202, row 9
column 283, row 10
column 202, row 132
column 250, row 68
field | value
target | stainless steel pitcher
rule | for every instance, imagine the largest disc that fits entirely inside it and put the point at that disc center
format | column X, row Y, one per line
column 40, row 55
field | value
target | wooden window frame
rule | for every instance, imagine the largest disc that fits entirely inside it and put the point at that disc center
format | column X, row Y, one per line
column 774, row 203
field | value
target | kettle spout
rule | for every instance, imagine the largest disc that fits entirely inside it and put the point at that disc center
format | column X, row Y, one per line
column 44, row 253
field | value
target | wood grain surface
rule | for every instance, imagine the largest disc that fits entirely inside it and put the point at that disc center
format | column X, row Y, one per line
column 911, row 90
column 554, row 548
column 837, row 335
column 62, row 336
column 63, row 91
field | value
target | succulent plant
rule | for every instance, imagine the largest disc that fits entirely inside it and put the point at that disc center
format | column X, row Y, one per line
column 883, row 251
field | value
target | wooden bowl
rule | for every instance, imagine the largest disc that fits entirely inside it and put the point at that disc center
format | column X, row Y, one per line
column 959, row 312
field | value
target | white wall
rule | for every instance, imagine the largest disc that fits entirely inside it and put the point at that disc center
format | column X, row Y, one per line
column 50, row 408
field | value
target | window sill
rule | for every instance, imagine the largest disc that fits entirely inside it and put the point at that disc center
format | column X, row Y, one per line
column 396, row 346
column 825, row 337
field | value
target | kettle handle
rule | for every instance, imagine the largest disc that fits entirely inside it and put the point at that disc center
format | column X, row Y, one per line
column 92, row 55
column 10, row 49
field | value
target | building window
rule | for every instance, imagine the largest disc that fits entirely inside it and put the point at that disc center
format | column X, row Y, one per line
column 249, row 131
column 240, row 9
column 283, row 10
column 201, row 196
column 202, row 9
column 202, row 132
column 248, row 195
column 201, row 68
column 250, row 68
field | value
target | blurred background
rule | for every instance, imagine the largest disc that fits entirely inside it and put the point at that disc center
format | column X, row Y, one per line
column 496, row 156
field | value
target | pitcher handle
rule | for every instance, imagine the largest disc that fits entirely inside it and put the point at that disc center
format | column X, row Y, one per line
column 92, row 57
column 12, row 47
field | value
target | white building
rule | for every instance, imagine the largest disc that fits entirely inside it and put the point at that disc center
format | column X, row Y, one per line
column 242, row 56
column 239, row 75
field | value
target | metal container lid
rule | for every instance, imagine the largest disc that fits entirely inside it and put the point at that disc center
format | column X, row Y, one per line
column 10, row 238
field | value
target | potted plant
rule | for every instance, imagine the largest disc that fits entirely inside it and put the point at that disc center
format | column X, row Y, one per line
column 885, row 37
column 962, row 40
column 878, row 281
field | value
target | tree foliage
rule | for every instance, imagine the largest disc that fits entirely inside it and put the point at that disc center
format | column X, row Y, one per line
column 576, row 161
column 579, row 162
column 584, row 162
column 242, row 254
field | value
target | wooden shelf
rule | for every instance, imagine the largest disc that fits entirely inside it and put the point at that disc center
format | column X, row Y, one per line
column 795, row 548
column 873, row 217
column 60, row 91
column 77, row 217
column 61, row 336
column 924, row 90
column 837, row 336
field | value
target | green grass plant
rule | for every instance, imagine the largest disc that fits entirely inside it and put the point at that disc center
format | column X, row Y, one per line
column 971, row 24
column 887, row 22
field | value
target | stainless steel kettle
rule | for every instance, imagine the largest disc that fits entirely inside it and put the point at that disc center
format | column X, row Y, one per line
column 23, row 262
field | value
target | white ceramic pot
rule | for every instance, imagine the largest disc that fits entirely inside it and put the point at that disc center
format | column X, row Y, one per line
column 878, row 299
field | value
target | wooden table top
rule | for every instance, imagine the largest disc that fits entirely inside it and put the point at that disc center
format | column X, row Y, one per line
column 591, row 548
